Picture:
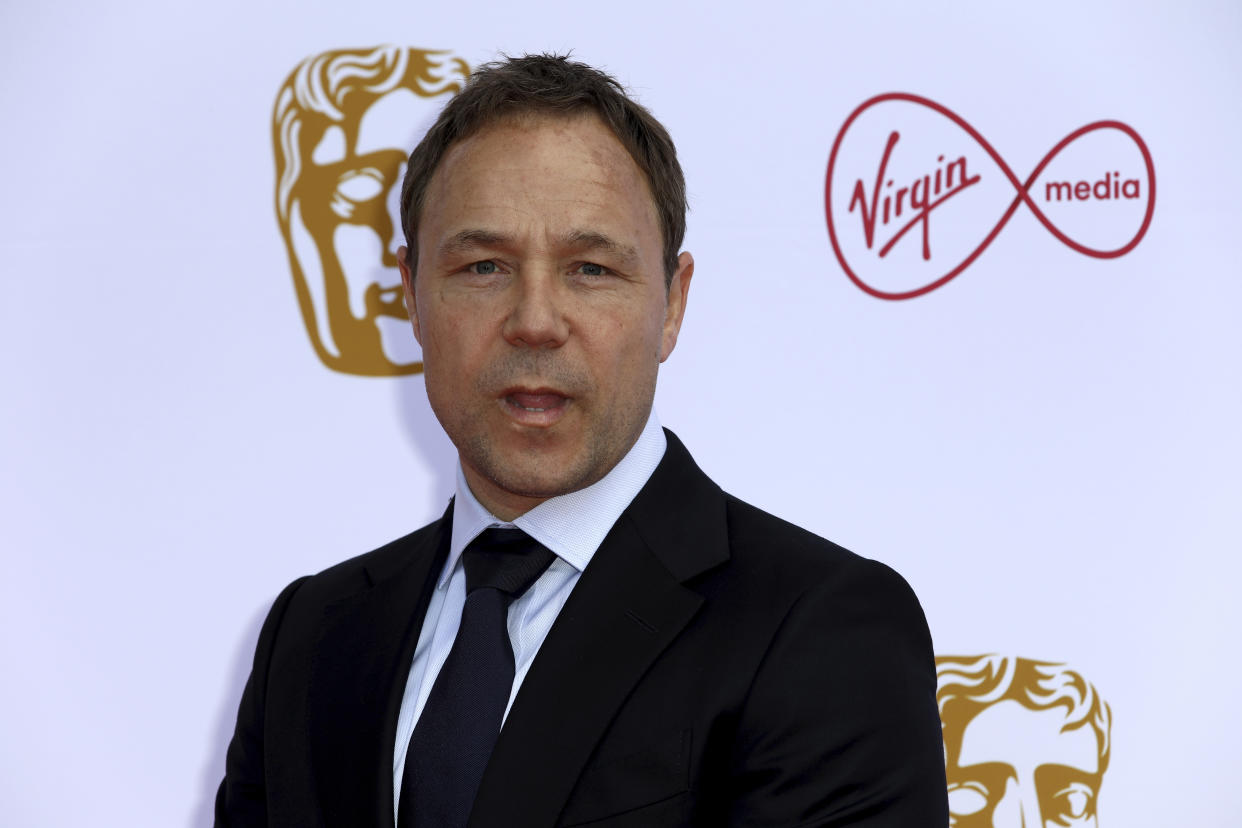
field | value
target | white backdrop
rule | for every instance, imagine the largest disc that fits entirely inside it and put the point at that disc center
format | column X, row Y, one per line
column 1047, row 446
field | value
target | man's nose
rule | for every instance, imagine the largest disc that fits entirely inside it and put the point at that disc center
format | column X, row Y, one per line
column 537, row 318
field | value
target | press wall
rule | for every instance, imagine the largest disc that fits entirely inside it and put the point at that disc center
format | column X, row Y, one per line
column 967, row 301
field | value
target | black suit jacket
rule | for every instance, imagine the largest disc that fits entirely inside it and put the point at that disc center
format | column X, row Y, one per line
column 713, row 666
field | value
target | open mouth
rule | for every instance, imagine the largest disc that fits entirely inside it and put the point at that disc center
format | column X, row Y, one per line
column 536, row 400
column 536, row 406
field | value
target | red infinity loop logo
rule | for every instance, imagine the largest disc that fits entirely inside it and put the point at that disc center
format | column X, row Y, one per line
column 946, row 189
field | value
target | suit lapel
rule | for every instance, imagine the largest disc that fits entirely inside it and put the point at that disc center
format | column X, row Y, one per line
column 363, row 656
column 628, row 606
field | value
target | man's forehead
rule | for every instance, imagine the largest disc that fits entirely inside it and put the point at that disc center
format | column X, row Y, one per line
column 546, row 140
column 536, row 155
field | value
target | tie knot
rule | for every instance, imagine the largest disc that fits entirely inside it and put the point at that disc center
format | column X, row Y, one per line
column 505, row 559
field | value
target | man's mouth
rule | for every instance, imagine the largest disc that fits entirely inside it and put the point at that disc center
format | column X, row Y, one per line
column 536, row 406
column 536, row 400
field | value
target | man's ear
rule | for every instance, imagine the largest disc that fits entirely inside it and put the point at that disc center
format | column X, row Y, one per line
column 675, row 309
column 407, row 284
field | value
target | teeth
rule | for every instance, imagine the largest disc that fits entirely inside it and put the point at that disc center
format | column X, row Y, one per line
column 534, row 409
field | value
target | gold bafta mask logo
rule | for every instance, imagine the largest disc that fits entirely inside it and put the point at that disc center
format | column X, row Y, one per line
column 1026, row 742
column 342, row 128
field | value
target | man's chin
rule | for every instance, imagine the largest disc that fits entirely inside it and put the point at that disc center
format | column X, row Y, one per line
column 539, row 485
column 517, row 481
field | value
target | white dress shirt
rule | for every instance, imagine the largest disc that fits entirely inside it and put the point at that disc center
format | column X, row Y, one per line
column 571, row 525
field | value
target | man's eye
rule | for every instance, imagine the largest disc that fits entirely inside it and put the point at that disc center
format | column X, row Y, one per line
column 591, row 269
column 483, row 268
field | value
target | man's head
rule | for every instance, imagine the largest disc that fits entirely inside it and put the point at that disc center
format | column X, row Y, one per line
column 548, row 86
column 339, row 121
column 543, row 212
column 1026, row 742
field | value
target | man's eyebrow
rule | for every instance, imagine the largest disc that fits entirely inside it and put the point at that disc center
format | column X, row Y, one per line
column 472, row 239
column 580, row 241
column 587, row 240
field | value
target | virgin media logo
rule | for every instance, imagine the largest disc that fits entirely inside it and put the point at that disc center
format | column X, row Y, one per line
column 914, row 194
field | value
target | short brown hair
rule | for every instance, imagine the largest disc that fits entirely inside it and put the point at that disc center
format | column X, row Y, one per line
column 551, row 85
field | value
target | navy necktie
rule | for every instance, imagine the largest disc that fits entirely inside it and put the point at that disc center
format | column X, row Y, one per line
column 458, row 727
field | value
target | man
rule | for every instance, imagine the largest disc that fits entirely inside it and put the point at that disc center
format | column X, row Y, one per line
column 1026, row 742
column 677, row 657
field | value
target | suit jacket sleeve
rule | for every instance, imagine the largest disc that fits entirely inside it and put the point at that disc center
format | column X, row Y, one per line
column 241, row 800
column 840, row 727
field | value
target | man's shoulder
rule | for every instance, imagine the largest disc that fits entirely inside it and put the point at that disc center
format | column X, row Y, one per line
column 751, row 527
column 363, row 571
column 769, row 560
column 777, row 556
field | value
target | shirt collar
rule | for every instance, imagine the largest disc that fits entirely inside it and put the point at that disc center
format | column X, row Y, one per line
column 572, row 525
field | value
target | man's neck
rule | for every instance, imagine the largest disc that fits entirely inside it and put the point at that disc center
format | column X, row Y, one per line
column 572, row 525
column 506, row 505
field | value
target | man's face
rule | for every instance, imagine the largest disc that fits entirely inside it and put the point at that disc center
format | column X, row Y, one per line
column 1017, row 769
column 541, row 307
